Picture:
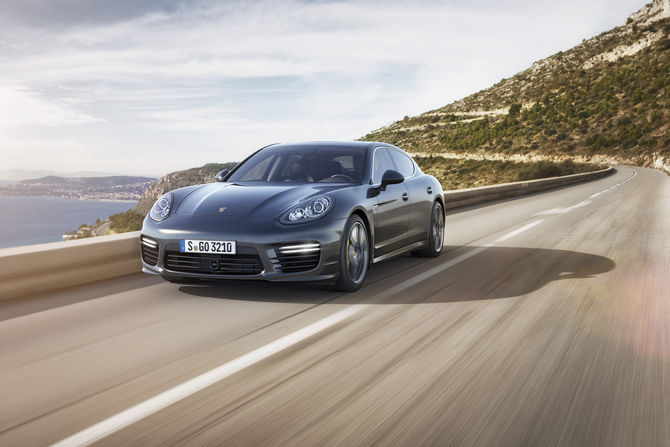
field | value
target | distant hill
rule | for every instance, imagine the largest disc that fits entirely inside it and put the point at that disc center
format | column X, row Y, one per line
column 604, row 101
column 88, row 188
column 23, row 174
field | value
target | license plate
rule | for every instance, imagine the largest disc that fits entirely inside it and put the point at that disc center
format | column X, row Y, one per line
column 217, row 247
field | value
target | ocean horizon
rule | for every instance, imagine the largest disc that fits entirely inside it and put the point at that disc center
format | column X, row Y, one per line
column 27, row 220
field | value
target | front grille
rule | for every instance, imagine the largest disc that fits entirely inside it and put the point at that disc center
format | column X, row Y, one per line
column 149, row 249
column 245, row 262
column 297, row 258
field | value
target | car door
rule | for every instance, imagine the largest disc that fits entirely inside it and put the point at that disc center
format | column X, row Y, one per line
column 421, row 196
column 392, row 210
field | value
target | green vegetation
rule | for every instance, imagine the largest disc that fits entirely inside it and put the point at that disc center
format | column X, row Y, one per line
column 126, row 221
column 546, row 169
column 83, row 232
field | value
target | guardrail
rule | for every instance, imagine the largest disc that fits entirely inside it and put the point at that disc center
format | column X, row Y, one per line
column 40, row 268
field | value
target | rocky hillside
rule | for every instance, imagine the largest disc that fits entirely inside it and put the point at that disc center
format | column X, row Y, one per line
column 604, row 101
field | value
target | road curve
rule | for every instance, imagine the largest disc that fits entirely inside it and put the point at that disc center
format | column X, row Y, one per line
column 546, row 322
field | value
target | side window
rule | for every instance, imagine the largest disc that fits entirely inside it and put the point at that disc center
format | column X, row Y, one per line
column 404, row 164
column 382, row 163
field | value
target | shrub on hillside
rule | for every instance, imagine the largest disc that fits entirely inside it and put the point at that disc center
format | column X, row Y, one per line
column 126, row 221
column 546, row 169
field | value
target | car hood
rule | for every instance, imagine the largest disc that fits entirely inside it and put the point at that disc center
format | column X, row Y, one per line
column 247, row 199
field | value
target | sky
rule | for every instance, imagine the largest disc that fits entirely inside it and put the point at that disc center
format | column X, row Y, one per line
column 147, row 87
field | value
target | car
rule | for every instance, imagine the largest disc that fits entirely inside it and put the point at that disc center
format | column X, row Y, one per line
column 322, row 212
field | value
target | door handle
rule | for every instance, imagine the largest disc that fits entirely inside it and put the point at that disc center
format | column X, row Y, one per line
column 429, row 190
column 405, row 197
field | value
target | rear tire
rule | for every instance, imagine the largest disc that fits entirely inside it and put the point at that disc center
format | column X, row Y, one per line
column 435, row 234
column 354, row 257
column 180, row 280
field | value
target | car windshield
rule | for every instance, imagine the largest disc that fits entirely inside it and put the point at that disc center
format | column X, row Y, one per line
column 303, row 164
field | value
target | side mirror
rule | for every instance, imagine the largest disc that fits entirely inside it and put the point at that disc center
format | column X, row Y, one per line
column 391, row 177
column 221, row 176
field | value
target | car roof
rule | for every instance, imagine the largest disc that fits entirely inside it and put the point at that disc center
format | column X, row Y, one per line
column 361, row 144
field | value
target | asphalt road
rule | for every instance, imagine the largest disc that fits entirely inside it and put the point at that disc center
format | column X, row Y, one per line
column 546, row 322
column 102, row 229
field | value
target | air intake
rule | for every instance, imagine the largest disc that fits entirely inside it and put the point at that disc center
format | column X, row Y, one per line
column 245, row 262
column 295, row 258
column 149, row 249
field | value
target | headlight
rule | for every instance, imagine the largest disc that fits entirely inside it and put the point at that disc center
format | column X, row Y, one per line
column 162, row 207
column 309, row 211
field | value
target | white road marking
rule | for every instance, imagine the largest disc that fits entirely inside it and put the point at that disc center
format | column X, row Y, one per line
column 563, row 210
column 515, row 233
column 148, row 407
column 179, row 392
column 618, row 184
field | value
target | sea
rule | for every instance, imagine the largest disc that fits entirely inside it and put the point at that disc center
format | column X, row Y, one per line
column 38, row 220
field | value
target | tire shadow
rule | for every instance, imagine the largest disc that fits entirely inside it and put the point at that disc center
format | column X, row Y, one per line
column 496, row 273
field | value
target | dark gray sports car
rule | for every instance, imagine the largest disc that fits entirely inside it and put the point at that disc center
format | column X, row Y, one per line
column 318, row 211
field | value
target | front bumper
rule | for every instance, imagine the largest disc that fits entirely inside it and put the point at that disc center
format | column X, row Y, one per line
column 258, row 249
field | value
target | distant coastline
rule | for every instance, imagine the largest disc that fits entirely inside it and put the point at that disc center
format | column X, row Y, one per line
column 90, row 198
column 87, row 199
column 114, row 188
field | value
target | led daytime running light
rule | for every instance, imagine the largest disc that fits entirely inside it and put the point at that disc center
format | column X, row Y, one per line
column 304, row 248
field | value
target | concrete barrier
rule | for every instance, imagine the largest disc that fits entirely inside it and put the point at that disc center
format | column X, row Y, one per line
column 46, row 267
column 40, row 268
column 462, row 197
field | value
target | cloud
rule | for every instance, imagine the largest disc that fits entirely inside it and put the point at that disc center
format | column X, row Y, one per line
column 57, row 14
column 23, row 108
column 286, row 38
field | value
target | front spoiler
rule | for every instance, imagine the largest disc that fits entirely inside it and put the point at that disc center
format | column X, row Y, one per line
column 276, row 277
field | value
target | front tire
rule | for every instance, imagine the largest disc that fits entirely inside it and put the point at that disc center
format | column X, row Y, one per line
column 354, row 256
column 435, row 234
